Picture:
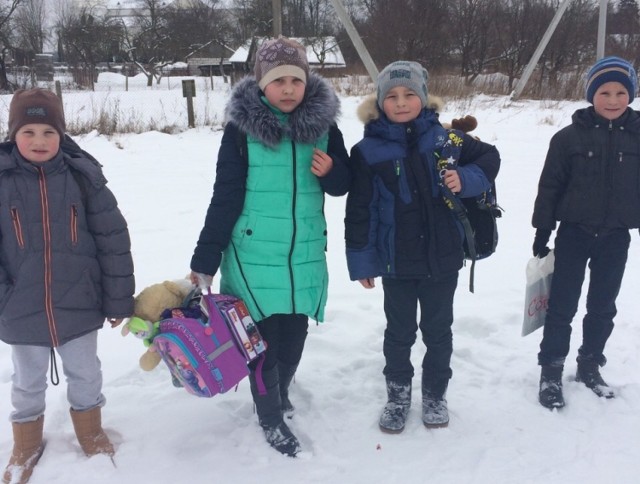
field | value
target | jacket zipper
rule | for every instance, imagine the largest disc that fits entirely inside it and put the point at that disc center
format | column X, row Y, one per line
column 74, row 224
column 46, row 235
column 295, row 228
column 17, row 227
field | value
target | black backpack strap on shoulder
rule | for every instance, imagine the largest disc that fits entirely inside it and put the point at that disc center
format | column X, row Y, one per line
column 447, row 159
column 460, row 211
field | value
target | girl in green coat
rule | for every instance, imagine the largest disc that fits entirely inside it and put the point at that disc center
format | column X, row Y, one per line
column 265, row 227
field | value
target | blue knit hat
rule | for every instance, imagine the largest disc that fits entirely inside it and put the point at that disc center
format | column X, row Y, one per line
column 403, row 73
column 611, row 69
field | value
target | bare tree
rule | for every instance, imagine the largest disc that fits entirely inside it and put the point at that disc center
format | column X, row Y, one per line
column 147, row 42
column 7, row 9
column 88, row 38
column 253, row 18
column 195, row 27
column 471, row 22
column 30, row 20
column 392, row 31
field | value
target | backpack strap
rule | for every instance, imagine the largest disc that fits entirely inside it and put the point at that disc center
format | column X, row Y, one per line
column 447, row 159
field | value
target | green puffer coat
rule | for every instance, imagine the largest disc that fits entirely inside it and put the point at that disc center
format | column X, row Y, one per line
column 275, row 260
column 265, row 228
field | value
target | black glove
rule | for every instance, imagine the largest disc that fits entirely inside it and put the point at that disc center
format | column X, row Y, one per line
column 540, row 242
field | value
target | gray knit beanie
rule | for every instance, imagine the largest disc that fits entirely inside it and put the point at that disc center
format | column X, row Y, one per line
column 278, row 58
column 403, row 73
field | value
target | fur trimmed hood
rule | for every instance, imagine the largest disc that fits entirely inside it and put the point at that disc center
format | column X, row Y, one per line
column 314, row 116
column 368, row 110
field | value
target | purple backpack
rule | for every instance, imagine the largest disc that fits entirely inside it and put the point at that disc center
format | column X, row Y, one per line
column 200, row 344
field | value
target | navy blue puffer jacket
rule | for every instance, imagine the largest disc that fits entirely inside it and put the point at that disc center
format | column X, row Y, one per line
column 397, row 224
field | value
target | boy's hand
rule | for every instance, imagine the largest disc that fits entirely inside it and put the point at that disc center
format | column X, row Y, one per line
column 368, row 283
column 115, row 322
column 452, row 180
column 321, row 163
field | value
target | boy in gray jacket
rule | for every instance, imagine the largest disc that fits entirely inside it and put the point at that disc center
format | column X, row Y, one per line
column 65, row 266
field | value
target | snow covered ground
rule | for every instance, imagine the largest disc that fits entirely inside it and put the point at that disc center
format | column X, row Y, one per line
column 498, row 432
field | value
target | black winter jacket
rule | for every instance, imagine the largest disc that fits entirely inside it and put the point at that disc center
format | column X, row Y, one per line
column 591, row 175
column 65, row 257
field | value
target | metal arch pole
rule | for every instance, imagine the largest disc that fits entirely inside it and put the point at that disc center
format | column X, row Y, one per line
column 355, row 38
column 602, row 29
column 539, row 50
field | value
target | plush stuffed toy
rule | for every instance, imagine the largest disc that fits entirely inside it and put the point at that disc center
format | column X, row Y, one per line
column 148, row 306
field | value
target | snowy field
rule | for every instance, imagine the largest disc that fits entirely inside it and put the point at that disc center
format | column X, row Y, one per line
column 498, row 432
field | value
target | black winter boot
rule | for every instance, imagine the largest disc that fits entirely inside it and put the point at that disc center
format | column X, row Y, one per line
column 589, row 374
column 550, row 395
column 286, row 374
column 269, row 410
column 395, row 412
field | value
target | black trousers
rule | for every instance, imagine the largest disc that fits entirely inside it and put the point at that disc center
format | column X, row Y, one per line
column 285, row 335
column 607, row 256
column 401, row 298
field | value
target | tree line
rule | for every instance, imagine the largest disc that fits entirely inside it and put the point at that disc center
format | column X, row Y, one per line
column 465, row 38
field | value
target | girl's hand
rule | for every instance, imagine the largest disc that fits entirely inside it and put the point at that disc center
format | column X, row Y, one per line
column 115, row 322
column 321, row 163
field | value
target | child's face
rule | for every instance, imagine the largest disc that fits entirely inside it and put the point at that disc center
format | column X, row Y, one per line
column 285, row 93
column 611, row 100
column 401, row 104
column 38, row 142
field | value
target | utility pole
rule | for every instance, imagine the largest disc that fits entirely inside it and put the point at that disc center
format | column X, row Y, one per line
column 539, row 50
column 602, row 27
column 276, row 8
column 355, row 38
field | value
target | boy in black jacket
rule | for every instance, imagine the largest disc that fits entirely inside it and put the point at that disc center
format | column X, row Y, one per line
column 589, row 184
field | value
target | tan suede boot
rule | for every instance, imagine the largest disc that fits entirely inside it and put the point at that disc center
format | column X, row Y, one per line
column 91, row 436
column 27, row 449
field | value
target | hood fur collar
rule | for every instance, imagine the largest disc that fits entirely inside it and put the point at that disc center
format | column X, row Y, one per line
column 368, row 110
column 319, row 109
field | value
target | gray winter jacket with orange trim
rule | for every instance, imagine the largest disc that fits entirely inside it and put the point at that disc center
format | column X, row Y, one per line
column 65, row 252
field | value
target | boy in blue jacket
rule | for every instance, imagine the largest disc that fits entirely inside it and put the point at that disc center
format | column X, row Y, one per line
column 589, row 184
column 398, row 227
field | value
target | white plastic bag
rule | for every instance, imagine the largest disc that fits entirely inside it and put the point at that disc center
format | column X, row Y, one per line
column 539, row 275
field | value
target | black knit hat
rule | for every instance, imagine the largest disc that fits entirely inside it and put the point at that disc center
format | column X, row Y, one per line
column 35, row 106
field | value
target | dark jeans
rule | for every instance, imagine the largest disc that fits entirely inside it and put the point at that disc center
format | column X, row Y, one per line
column 285, row 335
column 401, row 298
column 607, row 257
